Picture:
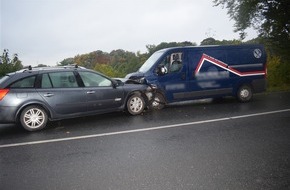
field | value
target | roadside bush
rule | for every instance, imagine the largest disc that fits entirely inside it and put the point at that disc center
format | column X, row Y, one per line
column 278, row 74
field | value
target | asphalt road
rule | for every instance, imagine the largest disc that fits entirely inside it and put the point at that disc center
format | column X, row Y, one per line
column 193, row 145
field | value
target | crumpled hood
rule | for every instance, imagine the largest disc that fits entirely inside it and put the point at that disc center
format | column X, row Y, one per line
column 135, row 75
column 128, row 81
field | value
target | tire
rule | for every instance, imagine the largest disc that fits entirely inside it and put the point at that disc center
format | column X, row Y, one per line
column 135, row 104
column 159, row 102
column 245, row 93
column 33, row 118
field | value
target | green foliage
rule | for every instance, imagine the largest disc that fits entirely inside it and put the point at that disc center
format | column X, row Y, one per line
column 153, row 48
column 270, row 18
column 114, row 64
column 42, row 65
column 278, row 74
column 8, row 65
column 212, row 41
column 118, row 63
column 106, row 69
column 67, row 61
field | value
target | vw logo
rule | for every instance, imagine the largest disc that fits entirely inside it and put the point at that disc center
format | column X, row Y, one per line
column 257, row 53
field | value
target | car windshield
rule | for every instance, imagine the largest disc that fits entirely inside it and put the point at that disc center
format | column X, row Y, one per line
column 150, row 62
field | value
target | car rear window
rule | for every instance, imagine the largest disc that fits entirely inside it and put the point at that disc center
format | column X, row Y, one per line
column 27, row 82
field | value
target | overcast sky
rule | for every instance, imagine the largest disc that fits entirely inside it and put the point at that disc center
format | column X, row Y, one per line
column 48, row 31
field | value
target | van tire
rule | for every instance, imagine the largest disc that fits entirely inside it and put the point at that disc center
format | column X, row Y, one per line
column 245, row 93
column 33, row 118
column 158, row 103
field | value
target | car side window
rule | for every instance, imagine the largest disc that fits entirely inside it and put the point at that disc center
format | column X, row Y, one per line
column 46, row 82
column 27, row 82
column 94, row 79
column 63, row 80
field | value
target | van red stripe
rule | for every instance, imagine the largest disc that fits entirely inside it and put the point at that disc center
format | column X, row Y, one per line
column 225, row 66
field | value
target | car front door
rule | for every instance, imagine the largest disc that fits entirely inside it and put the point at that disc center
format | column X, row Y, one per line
column 101, row 95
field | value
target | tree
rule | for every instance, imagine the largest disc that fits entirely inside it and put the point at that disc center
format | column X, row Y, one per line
column 270, row 17
column 153, row 48
column 8, row 65
column 212, row 41
column 67, row 61
column 5, row 57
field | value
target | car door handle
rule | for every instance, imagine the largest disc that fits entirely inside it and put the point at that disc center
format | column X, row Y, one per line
column 48, row 95
column 91, row 92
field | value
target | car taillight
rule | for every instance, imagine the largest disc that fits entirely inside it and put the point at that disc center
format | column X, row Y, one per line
column 3, row 93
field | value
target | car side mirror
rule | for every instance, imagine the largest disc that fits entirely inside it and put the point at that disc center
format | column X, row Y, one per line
column 116, row 83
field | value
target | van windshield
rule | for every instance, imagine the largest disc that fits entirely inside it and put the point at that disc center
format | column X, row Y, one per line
column 150, row 62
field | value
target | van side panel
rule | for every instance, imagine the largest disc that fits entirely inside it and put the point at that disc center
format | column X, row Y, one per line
column 209, row 80
column 209, row 71
column 220, row 71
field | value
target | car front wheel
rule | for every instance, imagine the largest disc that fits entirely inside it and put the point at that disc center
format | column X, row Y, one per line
column 135, row 104
column 33, row 118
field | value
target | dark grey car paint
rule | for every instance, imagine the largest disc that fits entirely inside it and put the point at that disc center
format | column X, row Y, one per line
column 61, row 103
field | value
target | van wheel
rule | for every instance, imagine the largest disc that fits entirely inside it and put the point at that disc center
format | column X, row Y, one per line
column 135, row 104
column 159, row 102
column 33, row 118
column 244, row 93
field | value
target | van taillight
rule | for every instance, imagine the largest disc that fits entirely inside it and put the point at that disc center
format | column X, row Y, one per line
column 3, row 93
column 266, row 71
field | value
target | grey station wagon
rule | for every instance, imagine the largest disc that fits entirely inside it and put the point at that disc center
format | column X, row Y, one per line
column 33, row 96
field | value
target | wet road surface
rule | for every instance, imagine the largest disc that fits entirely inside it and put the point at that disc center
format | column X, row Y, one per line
column 193, row 145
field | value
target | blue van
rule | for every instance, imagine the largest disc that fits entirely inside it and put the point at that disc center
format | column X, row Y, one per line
column 187, row 73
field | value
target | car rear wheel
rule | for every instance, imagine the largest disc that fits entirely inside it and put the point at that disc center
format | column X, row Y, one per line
column 33, row 118
column 245, row 93
column 135, row 104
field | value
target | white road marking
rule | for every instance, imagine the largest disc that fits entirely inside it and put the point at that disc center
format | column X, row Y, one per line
column 142, row 130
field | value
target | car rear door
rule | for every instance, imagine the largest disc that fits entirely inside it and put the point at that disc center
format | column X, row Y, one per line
column 62, row 93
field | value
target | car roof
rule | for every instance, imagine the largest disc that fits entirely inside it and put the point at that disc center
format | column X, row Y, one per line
column 35, row 70
column 55, row 68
